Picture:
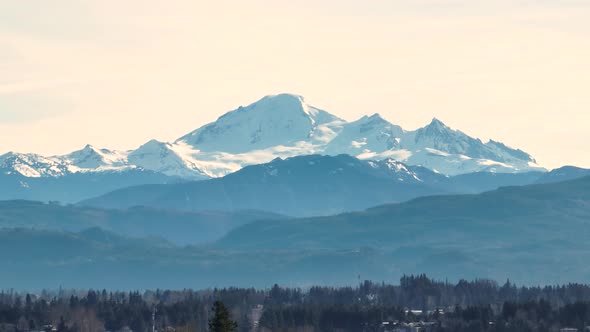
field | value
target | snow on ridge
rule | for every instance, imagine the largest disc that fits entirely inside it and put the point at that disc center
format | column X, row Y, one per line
column 285, row 125
column 32, row 165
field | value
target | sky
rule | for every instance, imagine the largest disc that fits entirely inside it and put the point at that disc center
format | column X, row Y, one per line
column 118, row 73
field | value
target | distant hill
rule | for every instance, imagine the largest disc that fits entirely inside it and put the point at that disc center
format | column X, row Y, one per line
column 535, row 234
column 174, row 226
column 557, row 211
column 308, row 186
column 98, row 259
column 73, row 187
column 299, row 186
column 563, row 174
column 527, row 233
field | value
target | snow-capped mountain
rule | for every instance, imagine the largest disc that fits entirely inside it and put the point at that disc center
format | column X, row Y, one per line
column 161, row 157
column 91, row 158
column 435, row 146
column 365, row 136
column 282, row 126
column 32, row 165
column 439, row 137
column 281, row 120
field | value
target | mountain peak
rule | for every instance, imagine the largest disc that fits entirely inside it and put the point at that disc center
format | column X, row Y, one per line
column 376, row 117
column 90, row 157
column 436, row 123
column 366, row 137
column 281, row 103
column 85, row 151
column 284, row 119
column 161, row 157
column 285, row 97
column 89, row 149
column 437, row 128
column 153, row 143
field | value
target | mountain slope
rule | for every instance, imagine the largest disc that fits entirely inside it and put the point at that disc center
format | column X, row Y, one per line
column 509, row 215
column 98, row 259
column 74, row 187
column 531, row 233
column 308, row 185
column 182, row 228
column 563, row 174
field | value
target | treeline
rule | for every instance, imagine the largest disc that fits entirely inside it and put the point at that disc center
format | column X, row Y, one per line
column 479, row 305
column 96, row 311
column 511, row 316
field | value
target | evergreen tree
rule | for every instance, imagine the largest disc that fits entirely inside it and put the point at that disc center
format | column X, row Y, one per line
column 28, row 304
column 221, row 320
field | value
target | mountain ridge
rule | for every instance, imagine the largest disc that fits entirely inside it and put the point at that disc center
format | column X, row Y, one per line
column 285, row 125
column 308, row 185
